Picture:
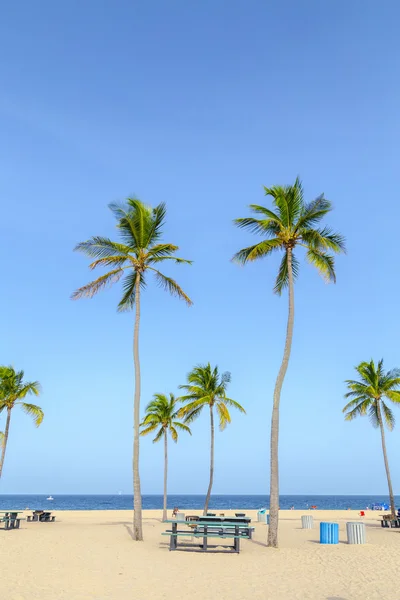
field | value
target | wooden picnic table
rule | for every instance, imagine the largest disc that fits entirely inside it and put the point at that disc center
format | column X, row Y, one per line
column 205, row 529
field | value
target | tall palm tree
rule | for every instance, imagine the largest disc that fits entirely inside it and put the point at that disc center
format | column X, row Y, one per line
column 162, row 415
column 140, row 251
column 367, row 398
column 206, row 387
column 13, row 391
column 291, row 223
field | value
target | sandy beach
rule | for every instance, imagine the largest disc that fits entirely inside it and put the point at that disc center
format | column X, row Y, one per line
column 90, row 555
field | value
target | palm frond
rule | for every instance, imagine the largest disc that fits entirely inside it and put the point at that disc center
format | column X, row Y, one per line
column 323, row 262
column 171, row 286
column 388, row 416
column 268, row 227
column 101, row 247
column 34, row 411
column 234, row 404
column 127, row 301
column 260, row 250
column 313, row 212
column 282, row 279
column 324, row 239
column 149, row 429
column 91, row 289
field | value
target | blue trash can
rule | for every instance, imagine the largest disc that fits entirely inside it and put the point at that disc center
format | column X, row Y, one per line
column 267, row 519
column 328, row 533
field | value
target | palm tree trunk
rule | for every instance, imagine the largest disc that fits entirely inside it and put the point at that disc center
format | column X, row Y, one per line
column 165, row 475
column 274, row 476
column 137, row 497
column 385, row 458
column 211, row 463
column 5, row 440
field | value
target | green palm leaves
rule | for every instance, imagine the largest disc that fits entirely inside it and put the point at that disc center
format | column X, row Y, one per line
column 139, row 252
column 162, row 415
column 369, row 396
column 291, row 223
column 13, row 391
column 366, row 395
column 207, row 387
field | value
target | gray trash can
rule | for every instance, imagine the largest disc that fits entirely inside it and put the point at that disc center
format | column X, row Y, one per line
column 355, row 533
column 262, row 516
column 307, row 522
column 180, row 516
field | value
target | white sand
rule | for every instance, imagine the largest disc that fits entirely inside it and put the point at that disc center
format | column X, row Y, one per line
column 90, row 555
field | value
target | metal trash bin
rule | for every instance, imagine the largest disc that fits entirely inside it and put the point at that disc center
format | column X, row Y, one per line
column 307, row 522
column 355, row 533
column 328, row 533
column 180, row 516
column 262, row 515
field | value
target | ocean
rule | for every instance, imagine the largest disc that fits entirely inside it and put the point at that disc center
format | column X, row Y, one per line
column 121, row 502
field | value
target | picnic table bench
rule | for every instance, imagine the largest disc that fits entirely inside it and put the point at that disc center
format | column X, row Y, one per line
column 387, row 521
column 10, row 519
column 204, row 530
column 42, row 516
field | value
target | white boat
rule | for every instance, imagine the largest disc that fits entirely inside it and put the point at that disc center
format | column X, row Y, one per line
column 50, row 498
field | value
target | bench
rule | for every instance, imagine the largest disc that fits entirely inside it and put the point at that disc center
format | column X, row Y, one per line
column 44, row 517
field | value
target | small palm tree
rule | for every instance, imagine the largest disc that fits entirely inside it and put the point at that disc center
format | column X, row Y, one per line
column 13, row 391
column 291, row 224
column 139, row 252
column 367, row 398
column 206, row 387
column 162, row 415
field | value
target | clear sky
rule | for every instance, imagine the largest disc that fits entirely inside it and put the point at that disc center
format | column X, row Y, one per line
column 197, row 104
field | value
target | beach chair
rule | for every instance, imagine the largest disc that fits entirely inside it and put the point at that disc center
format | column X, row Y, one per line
column 361, row 513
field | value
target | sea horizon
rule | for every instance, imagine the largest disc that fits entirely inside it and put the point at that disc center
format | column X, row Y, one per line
column 190, row 501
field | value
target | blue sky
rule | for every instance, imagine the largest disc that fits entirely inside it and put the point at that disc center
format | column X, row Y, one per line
column 196, row 104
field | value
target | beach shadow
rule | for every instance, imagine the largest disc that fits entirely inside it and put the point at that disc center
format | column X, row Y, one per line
column 129, row 530
column 262, row 544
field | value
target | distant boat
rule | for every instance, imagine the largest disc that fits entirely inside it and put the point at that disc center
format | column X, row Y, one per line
column 119, row 493
column 50, row 498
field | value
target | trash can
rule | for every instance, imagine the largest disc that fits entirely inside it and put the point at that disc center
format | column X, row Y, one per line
column 355, row 533
column 328, row 533
column 180, row 516
column 262, row 515
column 307, row 522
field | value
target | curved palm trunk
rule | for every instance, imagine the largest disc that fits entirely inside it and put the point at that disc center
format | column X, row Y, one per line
column 385, row 458
column 211, row 463
column 274, row 477
column 5, row 440
column 165, row 475
column 137, row 497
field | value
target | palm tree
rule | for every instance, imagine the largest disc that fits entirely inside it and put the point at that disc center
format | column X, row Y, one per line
column 13, row 391
column 206, row 387
column 367, row 398
column 140, row 251
column 290, row 224
column 162, row 415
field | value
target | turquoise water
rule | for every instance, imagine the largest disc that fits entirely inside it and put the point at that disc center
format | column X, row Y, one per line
column 120, row 502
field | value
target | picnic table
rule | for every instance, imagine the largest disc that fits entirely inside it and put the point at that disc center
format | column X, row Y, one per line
column 211, row 527
column 387, row 521
column 42, row 516
column 10, row 518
